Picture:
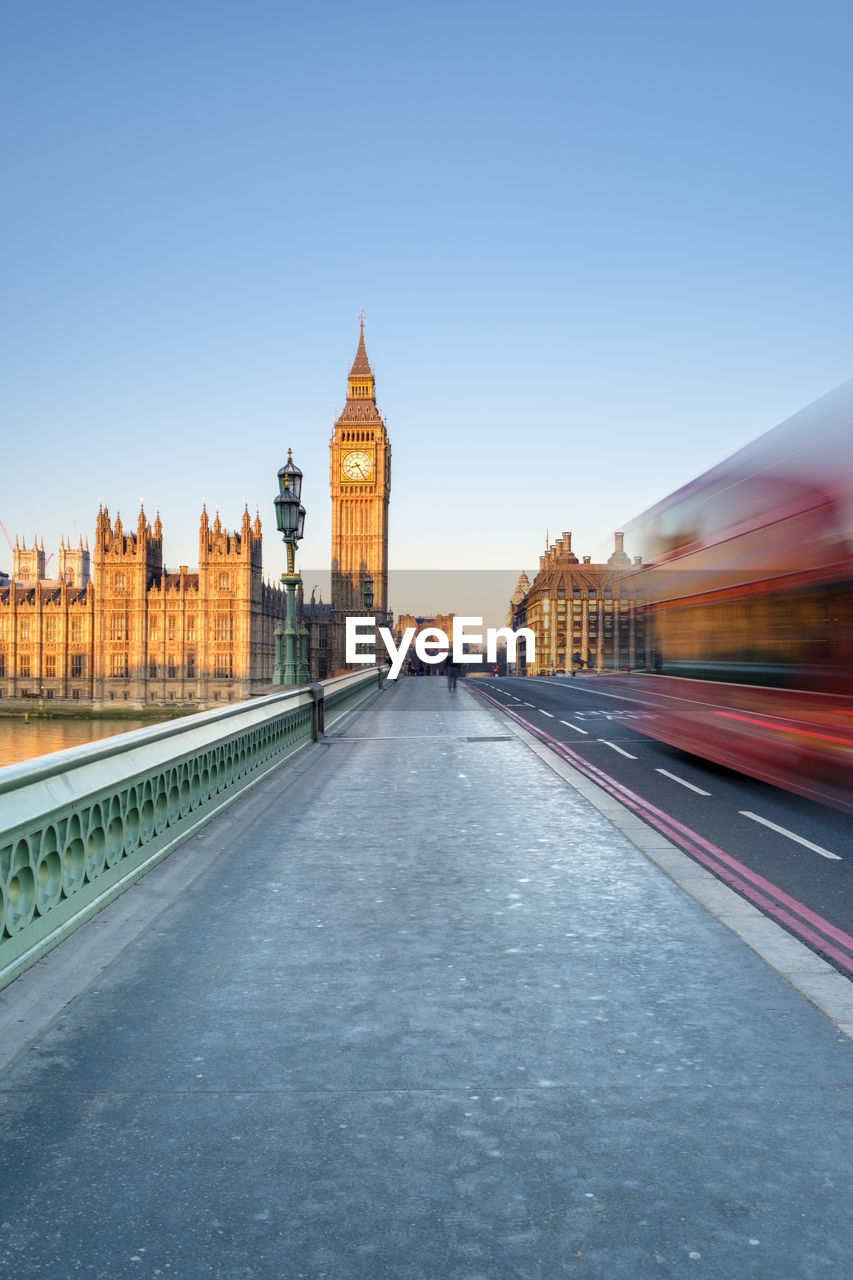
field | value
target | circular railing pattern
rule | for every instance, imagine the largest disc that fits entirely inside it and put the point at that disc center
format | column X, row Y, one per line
column 44, row 866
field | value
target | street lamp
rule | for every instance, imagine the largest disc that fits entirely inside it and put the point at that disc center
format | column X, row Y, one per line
column 367, row 601
column 290, row 521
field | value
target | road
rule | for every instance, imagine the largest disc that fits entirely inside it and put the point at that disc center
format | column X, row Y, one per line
column 791, row 856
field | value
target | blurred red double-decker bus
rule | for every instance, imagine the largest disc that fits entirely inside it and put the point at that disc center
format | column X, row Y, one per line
column 747, row 602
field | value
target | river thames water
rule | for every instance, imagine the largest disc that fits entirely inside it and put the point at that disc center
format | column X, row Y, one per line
column 22, row 739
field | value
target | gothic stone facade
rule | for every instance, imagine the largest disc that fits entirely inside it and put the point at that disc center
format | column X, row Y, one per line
column 30, row 566
column 137, row 634
column 360, row 482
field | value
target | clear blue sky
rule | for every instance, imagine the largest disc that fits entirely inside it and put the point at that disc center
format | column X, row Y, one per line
column 599, row 247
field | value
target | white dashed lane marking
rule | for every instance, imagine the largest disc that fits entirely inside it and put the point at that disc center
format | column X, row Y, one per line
column 666, row 773
column 792, row 835
column 613, row 747
column 699, row 791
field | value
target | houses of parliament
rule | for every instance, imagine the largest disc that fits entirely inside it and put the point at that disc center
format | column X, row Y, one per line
column 116, row 627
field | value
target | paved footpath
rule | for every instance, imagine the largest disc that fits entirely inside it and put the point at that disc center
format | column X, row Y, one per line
column 415, row 1009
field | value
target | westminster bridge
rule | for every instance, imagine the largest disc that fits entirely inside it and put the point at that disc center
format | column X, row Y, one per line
column 361, row 982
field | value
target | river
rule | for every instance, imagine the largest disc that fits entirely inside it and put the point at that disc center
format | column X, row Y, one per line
column 22, row 739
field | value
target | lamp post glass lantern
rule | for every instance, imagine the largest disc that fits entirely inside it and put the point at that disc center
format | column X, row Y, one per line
column 290, row 522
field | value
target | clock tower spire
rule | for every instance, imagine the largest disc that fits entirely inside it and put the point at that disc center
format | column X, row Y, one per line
column 360, row 482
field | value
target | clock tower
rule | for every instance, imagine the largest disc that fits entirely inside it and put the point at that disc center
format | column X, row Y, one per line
column 360, row 482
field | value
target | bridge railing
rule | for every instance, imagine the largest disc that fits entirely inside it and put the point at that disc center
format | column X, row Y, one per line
column 77, row 827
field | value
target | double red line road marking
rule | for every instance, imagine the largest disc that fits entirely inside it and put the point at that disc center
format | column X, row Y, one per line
column 807, row 925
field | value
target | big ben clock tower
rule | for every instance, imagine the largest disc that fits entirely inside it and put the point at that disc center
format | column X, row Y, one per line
column 360, row 481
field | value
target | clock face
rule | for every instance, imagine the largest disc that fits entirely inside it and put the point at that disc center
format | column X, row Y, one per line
column 357, row 465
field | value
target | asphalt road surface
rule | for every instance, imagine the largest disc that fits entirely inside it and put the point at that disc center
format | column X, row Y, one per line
column 794, row 850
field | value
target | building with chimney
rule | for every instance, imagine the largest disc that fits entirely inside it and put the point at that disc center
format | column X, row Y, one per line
column 582, row 615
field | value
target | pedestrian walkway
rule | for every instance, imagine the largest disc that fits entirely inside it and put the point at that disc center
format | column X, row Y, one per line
column 421, row 1012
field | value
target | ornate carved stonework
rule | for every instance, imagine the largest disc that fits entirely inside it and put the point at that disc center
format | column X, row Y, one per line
column 360, row 483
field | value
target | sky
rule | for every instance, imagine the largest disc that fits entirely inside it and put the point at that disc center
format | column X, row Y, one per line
column 598, row 246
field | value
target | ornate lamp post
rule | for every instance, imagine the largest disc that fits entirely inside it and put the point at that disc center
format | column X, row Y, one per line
column 290, row 521
column 367, row 601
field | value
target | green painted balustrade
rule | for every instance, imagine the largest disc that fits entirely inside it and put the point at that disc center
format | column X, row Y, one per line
column 77, row 827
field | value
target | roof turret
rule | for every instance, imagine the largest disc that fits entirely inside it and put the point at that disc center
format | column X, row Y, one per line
column 361, row 365
column 360, row 407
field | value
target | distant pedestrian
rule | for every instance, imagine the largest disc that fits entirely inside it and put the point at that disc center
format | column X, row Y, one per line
column 452, row 675
column 495, row 672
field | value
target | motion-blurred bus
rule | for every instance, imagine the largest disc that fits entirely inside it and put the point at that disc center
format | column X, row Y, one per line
column 747, row 598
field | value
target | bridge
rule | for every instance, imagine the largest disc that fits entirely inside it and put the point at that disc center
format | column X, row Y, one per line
column 386, row 984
